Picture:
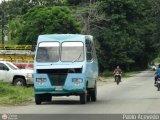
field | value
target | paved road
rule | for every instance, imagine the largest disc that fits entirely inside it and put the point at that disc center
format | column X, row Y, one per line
column 134, row 95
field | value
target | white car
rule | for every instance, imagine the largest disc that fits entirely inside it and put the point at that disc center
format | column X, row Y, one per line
column 154, row 67
column 11, row 73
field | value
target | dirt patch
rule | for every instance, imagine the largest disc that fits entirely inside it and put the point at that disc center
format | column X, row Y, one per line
column 102, row 80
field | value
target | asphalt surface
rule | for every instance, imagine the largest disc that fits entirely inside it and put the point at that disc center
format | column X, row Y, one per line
column 133, row 95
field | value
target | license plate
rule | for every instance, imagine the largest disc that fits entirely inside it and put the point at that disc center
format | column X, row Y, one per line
column 59, row 88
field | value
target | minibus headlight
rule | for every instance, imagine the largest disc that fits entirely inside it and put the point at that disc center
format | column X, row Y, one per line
column 41, row 80
column 77, row 80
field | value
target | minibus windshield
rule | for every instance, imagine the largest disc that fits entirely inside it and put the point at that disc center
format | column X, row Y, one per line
column 72, row 52
column 48, row 52
column 51, row 52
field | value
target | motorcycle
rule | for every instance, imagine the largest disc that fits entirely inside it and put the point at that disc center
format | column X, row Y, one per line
column 158, row 84
column 117, row 78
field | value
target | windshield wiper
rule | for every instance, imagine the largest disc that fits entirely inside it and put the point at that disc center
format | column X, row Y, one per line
column 77, row 58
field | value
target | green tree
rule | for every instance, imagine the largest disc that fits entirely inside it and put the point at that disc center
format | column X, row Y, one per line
column 51, row 2
column 126, row 31
column 127, row 39
column 77, row 2
column 90, row 16
column 155, row 15
column 13, row 8
column 46, row 20
column 15, row 25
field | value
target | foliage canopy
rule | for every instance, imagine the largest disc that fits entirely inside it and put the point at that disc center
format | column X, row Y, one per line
column 46, row 20
column 126, row 32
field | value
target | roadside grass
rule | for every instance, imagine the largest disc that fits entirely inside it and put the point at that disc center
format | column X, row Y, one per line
column 130, row 74
column 106, row 74
column 109, row 74
column 13, row 95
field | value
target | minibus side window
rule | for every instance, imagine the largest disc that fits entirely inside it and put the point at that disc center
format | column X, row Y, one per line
column 89, row 50
column 94, row 52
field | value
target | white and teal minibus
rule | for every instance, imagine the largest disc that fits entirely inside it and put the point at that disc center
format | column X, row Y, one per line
column 64, row 65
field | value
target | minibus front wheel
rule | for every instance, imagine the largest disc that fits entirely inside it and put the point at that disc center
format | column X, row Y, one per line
column 93, row 94
column 42, row 98
column 83, row 98
column 38, row 99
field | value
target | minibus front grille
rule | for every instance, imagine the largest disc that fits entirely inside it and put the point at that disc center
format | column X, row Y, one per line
column 60, row 71
column 57, row 79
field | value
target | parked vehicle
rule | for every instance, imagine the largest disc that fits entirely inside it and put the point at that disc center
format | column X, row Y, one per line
column 158, row 84
column 24, row 65
column 154, row 67
column 64, row 65
column 117, row 77
column 11, row 73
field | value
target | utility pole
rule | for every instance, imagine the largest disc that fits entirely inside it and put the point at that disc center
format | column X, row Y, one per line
column 3, row 22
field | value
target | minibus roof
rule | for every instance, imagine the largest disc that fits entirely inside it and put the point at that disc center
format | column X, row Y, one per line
column 64, row 37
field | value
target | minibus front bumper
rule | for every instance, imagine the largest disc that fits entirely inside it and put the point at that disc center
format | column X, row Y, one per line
column 74, row 84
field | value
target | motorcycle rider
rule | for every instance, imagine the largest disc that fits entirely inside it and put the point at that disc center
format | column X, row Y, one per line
column 157, row 73
column 119, row 72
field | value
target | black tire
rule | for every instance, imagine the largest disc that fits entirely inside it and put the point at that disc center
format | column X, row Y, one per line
column 94, row 94
column 83, row 98
column 117, row 80
column 19, row 82
column 88, row 98
column 88, row 95
column 48, row 98
column 38, row 99
column 158, row 87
